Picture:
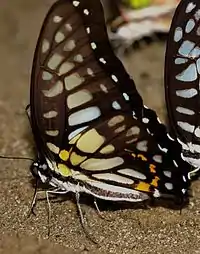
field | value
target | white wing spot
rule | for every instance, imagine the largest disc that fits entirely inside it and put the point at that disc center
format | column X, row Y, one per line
column 135, row 130
column 145, row 120
column 167, row 173
column 90, row 72
column 126, row 97
column 142, row 146
column 88, row 30
column 76, row 3
column 157, row 158
column 190, row 7
column 73, row 81
column 169, row 186
column 93, row 45
column 45, row 46
column 115, row 120
column 156, row 193
column 104, row 88
column 55, row 90
column 114, row 78
column 46, row 75
column 52, row 133
column 187, row 93
column 186, row 126
column 86, row 12
column 65, row 68
column 68, row 27
column 70, row 45
column 57, row 19
column 102, row 60
column 50, row 114
column 59, row 37
column 78, row 58
column 53, row 148
column 185, row 111
column 116, row 105
column 54, row 61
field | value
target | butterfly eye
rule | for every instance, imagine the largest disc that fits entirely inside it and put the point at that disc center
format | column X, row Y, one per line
column 34, row 169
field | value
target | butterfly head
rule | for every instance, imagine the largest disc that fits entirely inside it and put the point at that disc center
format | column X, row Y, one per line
column 37, row 167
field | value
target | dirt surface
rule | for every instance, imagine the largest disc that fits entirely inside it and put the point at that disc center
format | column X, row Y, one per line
column 128, row 230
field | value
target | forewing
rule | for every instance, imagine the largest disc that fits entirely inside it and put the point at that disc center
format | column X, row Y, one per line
column 74, row 68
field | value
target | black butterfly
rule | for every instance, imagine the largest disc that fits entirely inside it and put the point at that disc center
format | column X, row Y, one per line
column 92, row 132
column 182, row 70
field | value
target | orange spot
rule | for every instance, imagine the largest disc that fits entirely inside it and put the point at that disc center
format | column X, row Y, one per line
column 152, row 168
column 142, row 157
column 155, row 181
column 142, row 186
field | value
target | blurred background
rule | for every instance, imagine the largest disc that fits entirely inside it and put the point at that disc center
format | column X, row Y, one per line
column 137, row 30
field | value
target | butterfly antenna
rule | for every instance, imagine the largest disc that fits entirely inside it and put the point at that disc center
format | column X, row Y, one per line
column 15, row 158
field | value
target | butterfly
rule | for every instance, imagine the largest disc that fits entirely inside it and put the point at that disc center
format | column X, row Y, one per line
column 91, row 130
column 182, row 69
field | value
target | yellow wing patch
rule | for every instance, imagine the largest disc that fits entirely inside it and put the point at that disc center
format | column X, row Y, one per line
column 142, row 186
column 90, row 141
column 76, row 159
column 64, row 170
column 64, row 155
column 155, row 181
column 142, row 157
column 152, row 168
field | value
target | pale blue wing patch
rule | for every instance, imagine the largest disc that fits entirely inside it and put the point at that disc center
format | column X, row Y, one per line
column 178, row 34
column 185, row 48
column 189, row 74
column 189, row 26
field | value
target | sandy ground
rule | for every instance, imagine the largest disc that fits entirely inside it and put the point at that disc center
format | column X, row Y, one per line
column 128, row 230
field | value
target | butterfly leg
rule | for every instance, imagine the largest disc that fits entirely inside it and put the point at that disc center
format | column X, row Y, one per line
column 98, row 211
column 56, row 191
column 33, row 203
column 49, row 212
column 82, row 219
column 28, row 112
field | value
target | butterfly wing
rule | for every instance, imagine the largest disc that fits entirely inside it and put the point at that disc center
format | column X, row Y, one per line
column 81, row 112
column 182, row 68
column 58, row 55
